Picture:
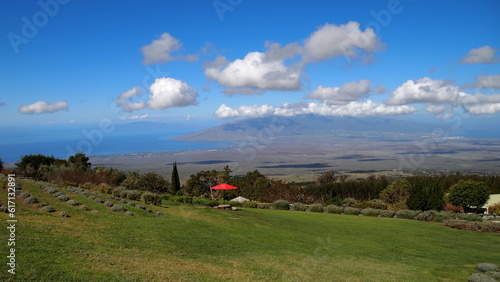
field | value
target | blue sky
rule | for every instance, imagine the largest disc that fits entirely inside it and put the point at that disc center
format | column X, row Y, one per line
column 79, row 62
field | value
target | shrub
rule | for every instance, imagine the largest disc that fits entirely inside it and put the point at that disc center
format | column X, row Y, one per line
column 480, row 277
column 429, row 215
column 235, row 203
column 470, row 217
column 24, row 195
column 406, row 214
column 31, row 200
column 151, row 198
column 485, row 267
column 88, row 186
column 108, row 204
column 104, row 188
column 494, row 274
column 444, row 215
column 64, row 214
column 50, row 190
column 316, row 208
column 493, row 209
column 370, row 212
column 352, row 211
column 374, row 204
column 281, row 205
column 123, row 194
column 298, row 207
column 116, row 191
column 386, row 213
column 63, row 198
column 452, row 208
column 250, row 204
column 48, row 209
column 118, row 208
column 73, row 203
column 129, row 214
column 334, row 209
column 263, row 206
column 472, row 225
column 134, row 195
column 350, row 202
column 204, row 202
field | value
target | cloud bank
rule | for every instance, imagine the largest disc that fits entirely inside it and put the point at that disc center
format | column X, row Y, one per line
column 354, row 109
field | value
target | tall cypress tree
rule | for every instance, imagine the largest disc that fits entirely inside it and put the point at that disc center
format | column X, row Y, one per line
column 175, row 183
column 416, row 199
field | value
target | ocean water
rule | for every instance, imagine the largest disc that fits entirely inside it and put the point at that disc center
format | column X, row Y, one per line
column 62, row 144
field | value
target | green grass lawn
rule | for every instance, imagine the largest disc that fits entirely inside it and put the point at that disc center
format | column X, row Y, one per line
column 190, row 243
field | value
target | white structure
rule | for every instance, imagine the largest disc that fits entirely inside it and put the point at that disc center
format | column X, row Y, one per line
column 240, row 199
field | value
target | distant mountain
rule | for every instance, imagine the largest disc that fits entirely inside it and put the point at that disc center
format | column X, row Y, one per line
column 304, row 125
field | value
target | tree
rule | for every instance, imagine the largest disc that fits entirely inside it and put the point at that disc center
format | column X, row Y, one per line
column 1, row 164
column 132, row 181
column 175, row 182
column 396, row 194
column 153, row 182
column 327, row 177
column 426, row 196
column 30, row 164
column 199, row 184
column 468, row 194
column 79, row 161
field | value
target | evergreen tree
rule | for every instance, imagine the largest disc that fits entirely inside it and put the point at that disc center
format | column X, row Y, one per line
column 435, row 196
column 416, row 199
column 175, row 182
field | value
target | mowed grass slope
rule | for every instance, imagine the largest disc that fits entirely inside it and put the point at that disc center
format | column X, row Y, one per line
column 190, row 243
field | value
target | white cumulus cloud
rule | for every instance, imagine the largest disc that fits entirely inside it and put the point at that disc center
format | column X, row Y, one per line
column 340, row 40
column 125, row 97
column 255, row 71
column 42, row 107
column 356, row 109
column 159, row 51
column 348, row 92
column 170, row 92
column 441, row 92
column 481, row 55
column 426, row 90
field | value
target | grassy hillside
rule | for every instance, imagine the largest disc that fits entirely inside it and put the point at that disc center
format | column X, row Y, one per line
column 192, row 243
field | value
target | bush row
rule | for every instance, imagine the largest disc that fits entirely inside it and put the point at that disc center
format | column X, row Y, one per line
column 472, row 225
column 431, row 215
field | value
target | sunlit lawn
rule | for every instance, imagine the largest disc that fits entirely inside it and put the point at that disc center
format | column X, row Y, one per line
column 199, row 243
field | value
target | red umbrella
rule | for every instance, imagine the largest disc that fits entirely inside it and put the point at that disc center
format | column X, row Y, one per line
column 223, row 186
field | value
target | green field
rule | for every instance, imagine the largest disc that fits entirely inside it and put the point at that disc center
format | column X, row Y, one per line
column 190, row 243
